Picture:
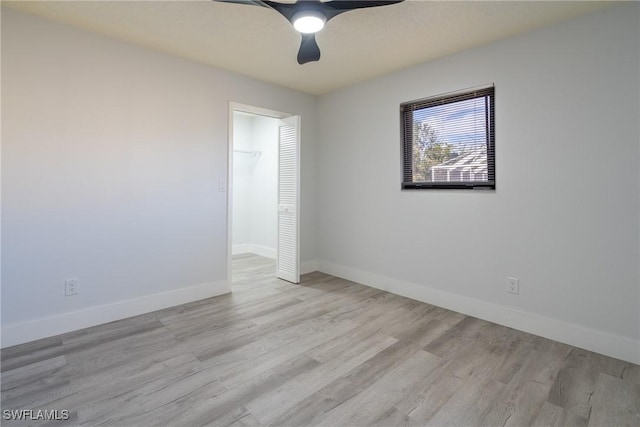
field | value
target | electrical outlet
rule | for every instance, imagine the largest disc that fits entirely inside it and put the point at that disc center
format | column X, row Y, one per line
column 513, row 285
column 71, row 287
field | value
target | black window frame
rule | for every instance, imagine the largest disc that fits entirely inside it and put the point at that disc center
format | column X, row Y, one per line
column 406, row 129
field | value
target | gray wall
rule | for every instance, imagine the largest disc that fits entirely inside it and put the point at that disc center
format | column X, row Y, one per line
column 564, row 217
column 111, row 158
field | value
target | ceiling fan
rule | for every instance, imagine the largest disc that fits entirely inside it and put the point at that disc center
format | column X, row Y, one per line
column 309, row 16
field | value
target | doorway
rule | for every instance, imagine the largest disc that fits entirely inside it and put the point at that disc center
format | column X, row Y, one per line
column 263, row 194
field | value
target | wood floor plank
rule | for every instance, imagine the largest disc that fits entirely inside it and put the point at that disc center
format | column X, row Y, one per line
column 553, row 416
column 396, row 418
column 467, row 404
column 360, row 378
column 615, row 402
column 631, row 373
column 240, row 417
column 143, row 403
column 317, row 404
column 122, row 352
column 471, row 366
column 527, row 390
column 102, row 386
column 373, row 403
column 576, row 381
column 237, row 372
column 20, row 377
column 261, row 341
column 269, row 407
column 203, row 407
column 323, row 352
column 26, row 354
column 448, row 344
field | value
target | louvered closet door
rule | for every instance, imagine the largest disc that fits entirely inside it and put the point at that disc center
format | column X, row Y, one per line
column 288, row 184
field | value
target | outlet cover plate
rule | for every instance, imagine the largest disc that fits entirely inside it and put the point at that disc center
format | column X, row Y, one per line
column 71, row 287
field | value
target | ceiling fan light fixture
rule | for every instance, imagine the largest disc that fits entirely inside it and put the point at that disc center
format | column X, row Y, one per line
column 309, row 22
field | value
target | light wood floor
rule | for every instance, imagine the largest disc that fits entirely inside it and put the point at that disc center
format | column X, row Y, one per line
column 327, row 352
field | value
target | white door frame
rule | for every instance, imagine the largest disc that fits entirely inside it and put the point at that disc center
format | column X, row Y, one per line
column 260, row 111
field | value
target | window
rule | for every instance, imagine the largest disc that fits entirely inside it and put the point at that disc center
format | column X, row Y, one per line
column 448, row 141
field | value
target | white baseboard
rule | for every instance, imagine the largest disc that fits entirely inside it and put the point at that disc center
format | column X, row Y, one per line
column 19, row 333
column 250, row 248
column 579, row 336
column 308, row 266
column 264, row 251
column 242, row 248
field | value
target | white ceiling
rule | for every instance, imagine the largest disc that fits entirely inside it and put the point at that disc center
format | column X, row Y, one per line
column 355, row 46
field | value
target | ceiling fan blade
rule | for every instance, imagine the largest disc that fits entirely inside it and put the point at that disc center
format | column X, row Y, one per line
column 309, row 50
column 247, row 2
column 336, row 7
column 285, row 9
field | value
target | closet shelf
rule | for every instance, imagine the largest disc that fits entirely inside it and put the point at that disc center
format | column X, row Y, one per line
column 254, row 153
